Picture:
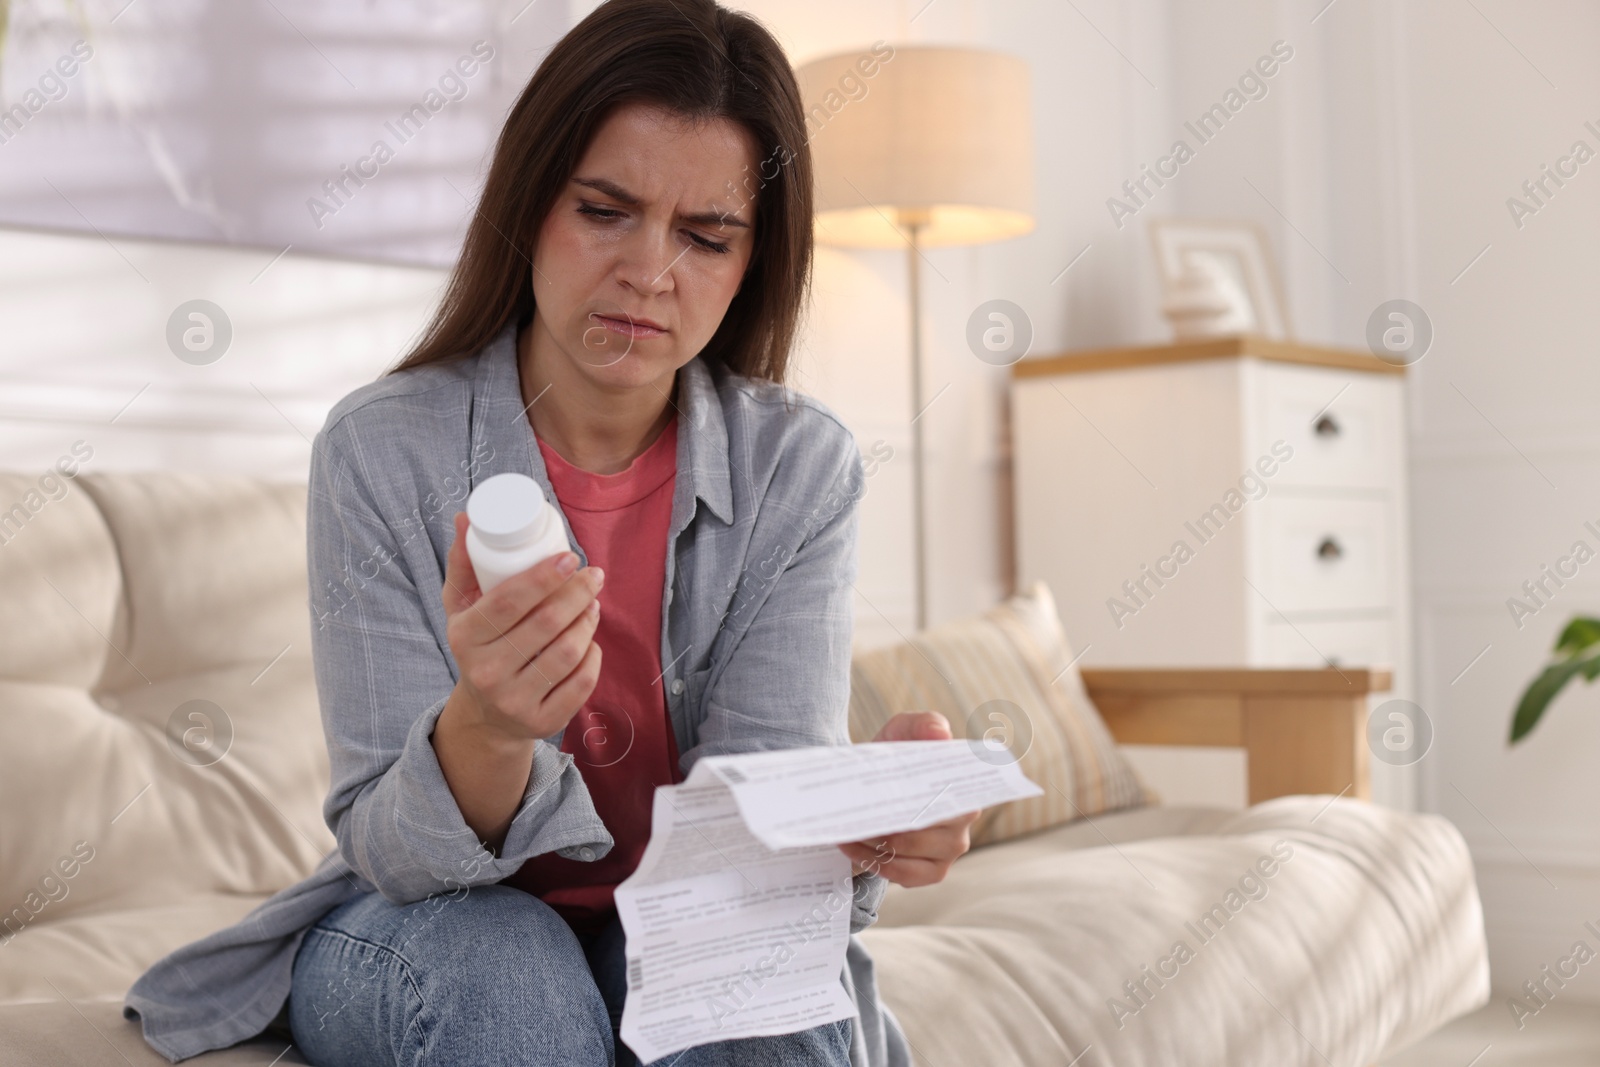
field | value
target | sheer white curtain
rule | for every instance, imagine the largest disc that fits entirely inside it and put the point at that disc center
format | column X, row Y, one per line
column 223, row 119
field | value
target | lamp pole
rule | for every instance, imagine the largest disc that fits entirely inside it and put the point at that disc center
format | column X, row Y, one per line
column 913, row 220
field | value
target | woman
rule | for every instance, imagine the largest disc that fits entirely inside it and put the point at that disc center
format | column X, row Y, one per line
column 618, row 327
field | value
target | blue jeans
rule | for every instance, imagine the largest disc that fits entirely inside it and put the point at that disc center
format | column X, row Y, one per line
column 487, row 977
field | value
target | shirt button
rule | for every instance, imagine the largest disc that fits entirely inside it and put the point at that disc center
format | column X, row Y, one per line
column 586, row 853
column 677, row 686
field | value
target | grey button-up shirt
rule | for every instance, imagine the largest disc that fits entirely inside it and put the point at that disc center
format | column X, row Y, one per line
column 760, row 561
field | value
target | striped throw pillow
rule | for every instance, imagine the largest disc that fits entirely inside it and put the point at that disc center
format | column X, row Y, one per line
column 1007, row 676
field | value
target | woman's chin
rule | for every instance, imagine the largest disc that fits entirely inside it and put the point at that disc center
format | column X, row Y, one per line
column 632, row 369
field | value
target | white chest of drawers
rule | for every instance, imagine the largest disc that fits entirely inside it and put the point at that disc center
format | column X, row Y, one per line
column 1236, row 502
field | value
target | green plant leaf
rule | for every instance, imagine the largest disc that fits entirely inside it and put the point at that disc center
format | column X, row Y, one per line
column 1543, row 689
column 1578, row 635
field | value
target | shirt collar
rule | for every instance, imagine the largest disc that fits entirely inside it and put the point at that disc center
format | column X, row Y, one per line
column 499, row 423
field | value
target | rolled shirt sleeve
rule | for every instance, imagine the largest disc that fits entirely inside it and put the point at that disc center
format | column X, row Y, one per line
column 383, row 675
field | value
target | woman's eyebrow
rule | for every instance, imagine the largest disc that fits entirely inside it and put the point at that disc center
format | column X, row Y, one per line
column 621, row 195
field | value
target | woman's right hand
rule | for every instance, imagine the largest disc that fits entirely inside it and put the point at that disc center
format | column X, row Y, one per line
column 525, row 650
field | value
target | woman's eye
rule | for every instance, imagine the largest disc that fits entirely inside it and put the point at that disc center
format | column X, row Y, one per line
column 709, row 245
column 606, row 214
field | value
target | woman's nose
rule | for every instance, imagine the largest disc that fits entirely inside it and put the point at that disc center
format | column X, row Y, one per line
column 646, row 260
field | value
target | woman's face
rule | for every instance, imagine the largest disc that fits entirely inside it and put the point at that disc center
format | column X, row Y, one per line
column 644, row 249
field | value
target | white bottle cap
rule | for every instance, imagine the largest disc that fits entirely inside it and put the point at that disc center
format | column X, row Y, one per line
column 506, row 510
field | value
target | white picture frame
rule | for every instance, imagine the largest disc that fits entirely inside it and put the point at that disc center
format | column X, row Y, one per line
column 1218, row 277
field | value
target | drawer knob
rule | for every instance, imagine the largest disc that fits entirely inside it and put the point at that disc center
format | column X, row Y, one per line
column 1327, row 426
column 1329, row 549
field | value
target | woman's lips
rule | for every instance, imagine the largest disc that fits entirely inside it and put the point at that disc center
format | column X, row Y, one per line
column 637, row 331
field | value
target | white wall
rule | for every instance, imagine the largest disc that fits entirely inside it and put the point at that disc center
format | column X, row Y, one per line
column 1506, row 449
column 85, row 353
column 1399, row 133
column 1091, row 109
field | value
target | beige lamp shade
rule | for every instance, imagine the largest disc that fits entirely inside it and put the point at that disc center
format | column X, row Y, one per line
column 942, row 137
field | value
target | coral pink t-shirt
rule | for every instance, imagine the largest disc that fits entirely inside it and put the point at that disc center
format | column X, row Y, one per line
column 621, row 739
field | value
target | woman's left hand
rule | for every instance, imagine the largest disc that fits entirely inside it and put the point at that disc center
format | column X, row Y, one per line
column 916, row 857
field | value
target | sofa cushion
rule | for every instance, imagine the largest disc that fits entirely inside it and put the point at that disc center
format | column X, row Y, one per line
column 98, row 953
column 1367, row 937
column 163, row 723
column 59, row 571
column 1007, row 676
column 214, row 570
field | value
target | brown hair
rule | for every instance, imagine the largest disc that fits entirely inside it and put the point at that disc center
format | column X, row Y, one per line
column 694, row 58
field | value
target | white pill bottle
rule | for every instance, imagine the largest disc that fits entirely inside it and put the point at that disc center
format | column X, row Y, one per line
column 511, row 526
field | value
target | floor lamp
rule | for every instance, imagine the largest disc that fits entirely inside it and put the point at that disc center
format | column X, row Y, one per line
column 919, row 148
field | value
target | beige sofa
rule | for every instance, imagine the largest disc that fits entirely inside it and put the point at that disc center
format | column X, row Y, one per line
column 165, row 772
